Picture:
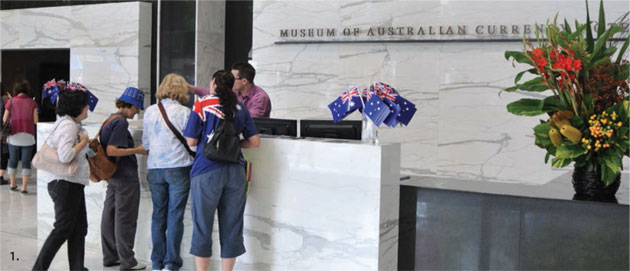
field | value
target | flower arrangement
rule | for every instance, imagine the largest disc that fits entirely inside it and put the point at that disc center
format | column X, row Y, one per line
column 588, row 111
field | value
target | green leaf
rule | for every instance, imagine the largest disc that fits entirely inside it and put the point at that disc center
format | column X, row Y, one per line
column 540, row 87
column 551, row 103
column 560, row 162
column 526, row 107
column 601, row 25
column 570, row 151
column 601, row 42
column 567, row 27
column 623, row 50
column 519, row 76
column 547, row 157
column 589, row 31
column 511, row 89
column 519, row 57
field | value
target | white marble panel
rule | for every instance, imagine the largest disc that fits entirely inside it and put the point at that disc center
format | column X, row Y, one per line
column 106, row 72
column 36, row 28
column 462, row 127
column 110, row 44
column 106, row 25
column 210, row 40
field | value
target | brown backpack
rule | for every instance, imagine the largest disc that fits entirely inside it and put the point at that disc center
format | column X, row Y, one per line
column 101, row 166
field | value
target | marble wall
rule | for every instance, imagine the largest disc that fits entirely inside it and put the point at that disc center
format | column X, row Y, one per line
column 462, row 128
column 210, row 40
column 110, row 44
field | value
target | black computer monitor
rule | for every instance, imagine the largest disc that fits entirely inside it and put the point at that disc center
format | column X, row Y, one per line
column 269, row 126
column 347, row 129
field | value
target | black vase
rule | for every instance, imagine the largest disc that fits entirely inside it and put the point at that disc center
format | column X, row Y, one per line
column 589, row 184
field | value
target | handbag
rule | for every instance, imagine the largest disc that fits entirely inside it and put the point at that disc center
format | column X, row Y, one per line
column 6, row 127
column 177, row 133
column 225, row 144
column 101, row 166
column 47, row 159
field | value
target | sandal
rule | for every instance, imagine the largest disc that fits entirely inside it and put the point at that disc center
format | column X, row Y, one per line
column 14, row 188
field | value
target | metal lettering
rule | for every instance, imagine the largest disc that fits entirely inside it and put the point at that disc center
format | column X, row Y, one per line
column 503, row 29
column 479, row 29
column 461, row 30
column 514, row 29
column 284, row 33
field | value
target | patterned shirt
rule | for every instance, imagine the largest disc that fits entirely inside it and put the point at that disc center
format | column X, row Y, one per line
column 165, row 150
column 204, row 120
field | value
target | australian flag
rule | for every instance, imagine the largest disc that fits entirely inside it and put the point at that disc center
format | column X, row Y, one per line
column 345, row 104
column 407, row 108
column 50, row 91
column 374, row 108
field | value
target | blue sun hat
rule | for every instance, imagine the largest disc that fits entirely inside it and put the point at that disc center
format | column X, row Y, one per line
column 133, row 96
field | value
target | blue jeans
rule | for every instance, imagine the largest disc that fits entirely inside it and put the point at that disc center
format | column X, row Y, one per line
column 222, row 190
column 14, row 155
column 169, row 193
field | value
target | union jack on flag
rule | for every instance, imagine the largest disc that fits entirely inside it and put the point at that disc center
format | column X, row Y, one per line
column 208, row 104
column 50, row 90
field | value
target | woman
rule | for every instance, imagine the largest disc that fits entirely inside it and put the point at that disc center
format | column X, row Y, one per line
column 169, row 168
column 215, row 185
column 4, row 159
column 22, row 117
column 70, row 141
column 122, row 199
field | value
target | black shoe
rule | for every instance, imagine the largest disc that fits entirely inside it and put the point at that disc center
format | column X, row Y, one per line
column 3, row 181
column 24, row 192
column 111, row 264
column 14, row 188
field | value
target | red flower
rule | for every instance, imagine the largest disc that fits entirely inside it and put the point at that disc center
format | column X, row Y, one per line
column 538, row 52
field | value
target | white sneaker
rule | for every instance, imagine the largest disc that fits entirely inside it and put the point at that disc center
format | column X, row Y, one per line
column 138, row 266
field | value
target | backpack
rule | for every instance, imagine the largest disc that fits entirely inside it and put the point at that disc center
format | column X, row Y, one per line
column 225, row 144
column 101, row 166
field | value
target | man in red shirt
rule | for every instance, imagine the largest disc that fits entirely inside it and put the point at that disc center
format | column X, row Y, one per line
column 253, row 97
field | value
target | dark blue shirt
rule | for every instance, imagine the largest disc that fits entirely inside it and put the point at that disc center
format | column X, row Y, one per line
column 200, row 129
column 116, row 133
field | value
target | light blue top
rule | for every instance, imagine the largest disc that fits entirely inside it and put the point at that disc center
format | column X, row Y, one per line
column 165, row 150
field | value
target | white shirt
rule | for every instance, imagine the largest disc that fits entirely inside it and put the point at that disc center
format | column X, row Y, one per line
column 63, row 138
column 21, row 139
column 165, row 150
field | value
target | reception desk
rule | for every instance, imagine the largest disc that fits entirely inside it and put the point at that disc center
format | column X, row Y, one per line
column 313, row 204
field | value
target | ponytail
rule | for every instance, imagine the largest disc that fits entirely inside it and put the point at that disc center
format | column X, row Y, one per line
column 227, row 98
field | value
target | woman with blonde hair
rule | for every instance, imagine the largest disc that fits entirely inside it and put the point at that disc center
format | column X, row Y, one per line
column 169, row 165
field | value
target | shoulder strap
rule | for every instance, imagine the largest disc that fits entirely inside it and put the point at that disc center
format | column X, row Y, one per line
column 177, row 133
column 107, row 121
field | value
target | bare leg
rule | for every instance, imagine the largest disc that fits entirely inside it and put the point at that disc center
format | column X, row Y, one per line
column 201, row 264
column 12, row 179
column 227, row 264
column 25, row 179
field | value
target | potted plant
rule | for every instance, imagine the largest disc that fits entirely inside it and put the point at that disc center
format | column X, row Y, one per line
column 588, row 112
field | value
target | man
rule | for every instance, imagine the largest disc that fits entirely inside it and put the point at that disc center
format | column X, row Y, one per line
column 253, row 97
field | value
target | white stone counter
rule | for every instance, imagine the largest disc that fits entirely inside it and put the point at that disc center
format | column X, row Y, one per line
column 312, row 205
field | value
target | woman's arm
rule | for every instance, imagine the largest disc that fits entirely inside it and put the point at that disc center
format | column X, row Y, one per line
column 192, row 141
column 66, row 136
column 5, row 118
column 251, row 142
column 115, row 151
column 35, row 116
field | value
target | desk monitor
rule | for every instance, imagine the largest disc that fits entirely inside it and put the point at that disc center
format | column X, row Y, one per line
column 347, row 129
column 269, row 126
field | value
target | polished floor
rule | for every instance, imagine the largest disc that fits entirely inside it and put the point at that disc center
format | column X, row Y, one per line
column 18, row 234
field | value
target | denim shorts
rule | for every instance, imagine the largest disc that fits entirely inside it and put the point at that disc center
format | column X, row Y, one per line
column 222, row 189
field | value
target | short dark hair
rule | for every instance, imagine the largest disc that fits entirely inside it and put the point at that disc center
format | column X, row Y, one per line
column 245, row 70
column 21, row 86
column 122, row 104
column 71, row 103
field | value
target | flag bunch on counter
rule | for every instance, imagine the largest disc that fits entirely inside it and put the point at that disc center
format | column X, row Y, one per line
column 52, row 89
column 381, row 103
